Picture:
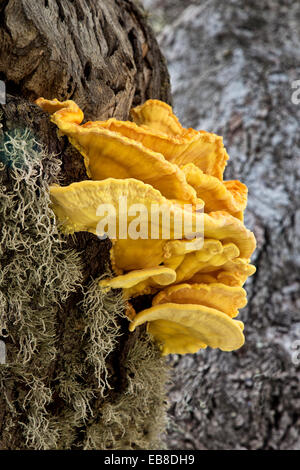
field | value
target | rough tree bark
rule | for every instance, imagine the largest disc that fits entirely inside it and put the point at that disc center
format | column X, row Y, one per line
column 232, row 65
column 104, row 56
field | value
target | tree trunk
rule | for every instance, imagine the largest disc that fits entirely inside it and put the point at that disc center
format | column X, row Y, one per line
column 232, row 67
column 73, row 376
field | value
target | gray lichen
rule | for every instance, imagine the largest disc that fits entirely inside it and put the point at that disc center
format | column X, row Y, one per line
column 137, row 417
column 37, row 274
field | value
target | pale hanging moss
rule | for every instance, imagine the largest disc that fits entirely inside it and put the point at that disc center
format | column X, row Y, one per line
column 137, row 417
column 37, row 274
column 101, row 313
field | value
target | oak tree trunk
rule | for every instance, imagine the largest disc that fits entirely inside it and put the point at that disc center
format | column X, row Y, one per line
column 104, row 56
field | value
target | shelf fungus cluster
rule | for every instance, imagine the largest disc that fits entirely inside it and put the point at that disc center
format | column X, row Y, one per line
column 142, row 167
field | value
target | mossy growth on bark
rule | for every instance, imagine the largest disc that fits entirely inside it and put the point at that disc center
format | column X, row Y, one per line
column 58, row 389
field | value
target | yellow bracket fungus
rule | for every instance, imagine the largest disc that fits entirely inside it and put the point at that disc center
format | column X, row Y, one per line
column 107, row 153
column 204, row 149
column 157, row 115
column 215, row 295
column 194, row 262
column 76, row 206
column 229, row 196
column 140, row 281
column 232, row 273
column 155, row 162
column 223, row 226
column 202, row 324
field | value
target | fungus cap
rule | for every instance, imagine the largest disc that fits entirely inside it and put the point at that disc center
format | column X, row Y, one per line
column 233, row 273
column 209, row 326
column 157, row 115
column 77, row 206
column 140, row 281
column 204, row 149
column 78, row 202
column 107, row 153
column 229, row 196
column 199, row 261
column 215, row 295
column 174, row 338
column 223, row 226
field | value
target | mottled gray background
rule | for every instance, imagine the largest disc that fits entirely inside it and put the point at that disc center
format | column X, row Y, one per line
column 232, row 66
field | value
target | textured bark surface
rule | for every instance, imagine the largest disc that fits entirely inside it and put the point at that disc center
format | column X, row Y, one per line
column 100, row 54
column 105, row 57
column 232, row 65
